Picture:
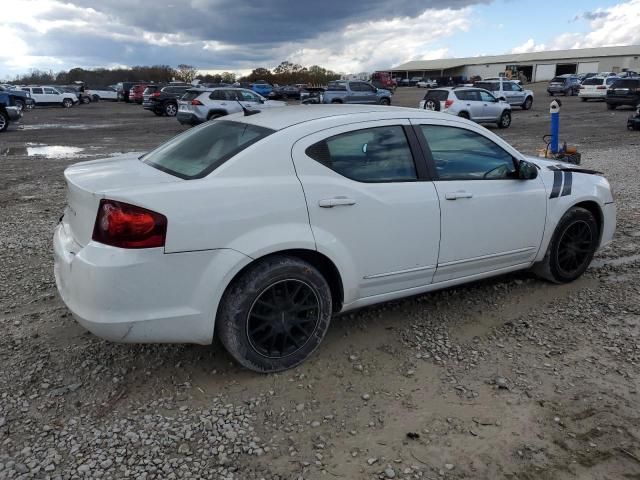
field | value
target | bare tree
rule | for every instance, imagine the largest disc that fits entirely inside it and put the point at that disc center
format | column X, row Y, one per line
column 186, row 73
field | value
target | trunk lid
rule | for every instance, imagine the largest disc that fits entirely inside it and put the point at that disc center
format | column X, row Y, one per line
column 89, row 182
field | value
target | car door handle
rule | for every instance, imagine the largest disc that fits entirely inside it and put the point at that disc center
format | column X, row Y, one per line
column 457, row 195
column 336, row 202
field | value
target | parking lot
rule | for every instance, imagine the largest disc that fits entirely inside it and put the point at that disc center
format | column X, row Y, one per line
column 506, row 378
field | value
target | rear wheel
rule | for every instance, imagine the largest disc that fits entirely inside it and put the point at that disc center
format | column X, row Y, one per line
column 213, row 116
column 431, row 104
column 274, row 316
column 505, row 120
column 464, row 115
column 385, row 101
column 4, row 121
column 336, row 101
column 86, row 100
column 95, row 98
column 572, row 247
column 171, row 109
column 67, row 103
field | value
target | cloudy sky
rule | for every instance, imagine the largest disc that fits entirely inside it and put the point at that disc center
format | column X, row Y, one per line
column 347, row 36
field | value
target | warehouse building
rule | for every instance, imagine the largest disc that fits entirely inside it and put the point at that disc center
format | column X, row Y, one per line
column 536, row 66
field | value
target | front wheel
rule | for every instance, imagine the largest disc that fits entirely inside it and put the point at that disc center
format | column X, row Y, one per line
column 572, row 247
column 527, row 103
column 67, row 103
column 86, row 100
column 274, row 316
column 505, row 120
column 95, row 98
column 385, row 101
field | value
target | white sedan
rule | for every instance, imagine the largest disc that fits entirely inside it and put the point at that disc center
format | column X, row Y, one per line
column 427, row 84
column 259, row 227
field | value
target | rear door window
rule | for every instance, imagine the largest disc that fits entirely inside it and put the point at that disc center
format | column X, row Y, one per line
column 371, row 155
column 37, row 91
column 190, row 95
column 201, row 150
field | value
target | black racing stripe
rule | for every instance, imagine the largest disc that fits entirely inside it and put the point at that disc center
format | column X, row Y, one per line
column 566, row 188
column 557, row 183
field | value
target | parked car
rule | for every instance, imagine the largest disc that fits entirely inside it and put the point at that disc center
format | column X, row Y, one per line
column 124, row 89
column 165, row 100
column 624, row 91
column 78, row 91
column 312, row 93
column 135, row 94
column 509, row 90
column 627, row 74
column 428, row 83
column 565, row 84
column 102, row 93
column 197, row 105
column 262, row 88
column 150, row 90
column 285, row 92
column 22, row 98
column 595, row 88
column 258, row 229
column 9, row 110
column 383, row 80
column 584, row 76
column 48, row 95
column 472, row 103
column 343, row 91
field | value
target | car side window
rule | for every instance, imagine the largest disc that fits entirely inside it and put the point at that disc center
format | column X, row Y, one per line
column 248, row 96
column 486, row 96
column 218, row 95
column 372, row 155
column 50, row 91
column 37, row 91
column 461, row 154
column 355, row 87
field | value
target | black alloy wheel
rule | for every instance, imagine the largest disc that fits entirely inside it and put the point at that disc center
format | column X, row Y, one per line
column 283, row 318
column 575, row 248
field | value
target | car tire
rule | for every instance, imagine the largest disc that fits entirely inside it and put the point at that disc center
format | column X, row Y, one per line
column 611, row 106
column 170, row 109
column 574, row 242
column 528, row 102
column 505, row 120
column 20, row 104
column 86, row 100
column 4, row 121
column 432, row 105
column 385, row 101
column 285, row 297
column 550, row 94
column 67, row 103
column 336, row 101
column 464, row 115
column 95, row 98
column 213, row 116
column 583, row 99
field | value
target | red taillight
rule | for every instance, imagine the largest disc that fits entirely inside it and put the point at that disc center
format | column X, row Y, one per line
column 448, row 103
column 155, row 94
column 196, row 102
column 126, row 226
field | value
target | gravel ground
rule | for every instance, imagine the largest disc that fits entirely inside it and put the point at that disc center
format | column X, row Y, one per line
column 507, row 378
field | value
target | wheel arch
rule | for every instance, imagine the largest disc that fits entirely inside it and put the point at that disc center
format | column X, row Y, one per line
column 324, row 264
column 216, row 111
column 594, row 208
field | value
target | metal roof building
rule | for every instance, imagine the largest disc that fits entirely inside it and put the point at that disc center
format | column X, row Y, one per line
column 536, row 66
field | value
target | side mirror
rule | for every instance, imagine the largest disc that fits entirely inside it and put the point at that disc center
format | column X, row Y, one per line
column 502, row 99
column 527, row 171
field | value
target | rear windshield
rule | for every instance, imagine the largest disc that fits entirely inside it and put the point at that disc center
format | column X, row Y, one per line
column 191, row 95
column 626, row 83
column 439, row 95
column 201, row 150
column 593, row 81
column 151, row 89
column 558, row 80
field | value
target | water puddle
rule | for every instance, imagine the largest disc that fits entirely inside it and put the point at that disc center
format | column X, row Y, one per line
column 601, row 262
column 45, row 151
column 45, row 126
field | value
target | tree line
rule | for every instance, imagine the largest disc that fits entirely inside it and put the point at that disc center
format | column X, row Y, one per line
column 284, row 74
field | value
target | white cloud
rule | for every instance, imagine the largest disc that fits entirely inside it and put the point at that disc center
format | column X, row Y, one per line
column 382, row 44
column 616, row 25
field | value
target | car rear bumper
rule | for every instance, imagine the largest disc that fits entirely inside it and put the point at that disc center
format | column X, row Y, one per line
column 145, row 295
column 188, row 118
column 592, row 93
column 623, row 100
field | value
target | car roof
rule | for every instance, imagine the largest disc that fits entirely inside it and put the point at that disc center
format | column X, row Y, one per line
column 284, row 117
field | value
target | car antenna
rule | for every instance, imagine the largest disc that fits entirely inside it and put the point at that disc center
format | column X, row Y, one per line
column 247, row 112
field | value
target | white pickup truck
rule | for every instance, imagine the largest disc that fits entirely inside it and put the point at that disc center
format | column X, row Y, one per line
column 509, row 90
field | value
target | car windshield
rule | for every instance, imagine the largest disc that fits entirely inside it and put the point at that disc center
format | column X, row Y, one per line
column 201, row 150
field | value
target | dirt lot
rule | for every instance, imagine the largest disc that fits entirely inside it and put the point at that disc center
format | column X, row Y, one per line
column 508, row 378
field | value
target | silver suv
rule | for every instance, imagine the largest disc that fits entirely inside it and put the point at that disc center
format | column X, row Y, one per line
column 475, row 104
column 199, row 105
